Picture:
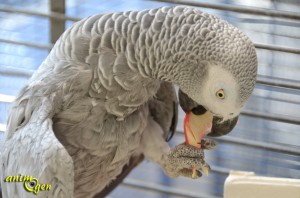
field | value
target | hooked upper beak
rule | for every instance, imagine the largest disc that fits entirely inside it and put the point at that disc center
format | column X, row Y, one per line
column 222, row 128
column 218, row 126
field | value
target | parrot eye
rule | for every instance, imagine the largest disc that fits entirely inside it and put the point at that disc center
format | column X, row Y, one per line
column 220, row 94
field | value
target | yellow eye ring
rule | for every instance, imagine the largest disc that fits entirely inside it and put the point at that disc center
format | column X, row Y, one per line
column 220, row 94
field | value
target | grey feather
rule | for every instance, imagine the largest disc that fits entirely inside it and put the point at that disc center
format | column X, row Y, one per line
column 164, row 109
column 35, row 144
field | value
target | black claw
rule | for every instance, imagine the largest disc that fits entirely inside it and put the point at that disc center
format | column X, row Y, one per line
column 199, row 174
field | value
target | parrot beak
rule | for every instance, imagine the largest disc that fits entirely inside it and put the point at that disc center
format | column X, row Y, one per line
column 202, row 118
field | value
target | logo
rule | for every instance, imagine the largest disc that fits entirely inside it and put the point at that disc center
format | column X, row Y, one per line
column 31, row 184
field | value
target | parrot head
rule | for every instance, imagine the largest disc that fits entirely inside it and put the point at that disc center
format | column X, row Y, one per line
column 219, row 104
column 226, row 79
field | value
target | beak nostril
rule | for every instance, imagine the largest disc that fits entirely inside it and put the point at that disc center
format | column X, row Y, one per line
column 231, row 113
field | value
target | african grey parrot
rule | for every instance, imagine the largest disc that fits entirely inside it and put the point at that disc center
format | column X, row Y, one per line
column 104, row 98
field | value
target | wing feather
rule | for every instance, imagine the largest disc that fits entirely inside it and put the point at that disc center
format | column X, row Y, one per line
column 32, row 149
column 164, row 109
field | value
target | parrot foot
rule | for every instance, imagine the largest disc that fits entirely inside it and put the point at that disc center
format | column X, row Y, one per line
column 183, row 158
